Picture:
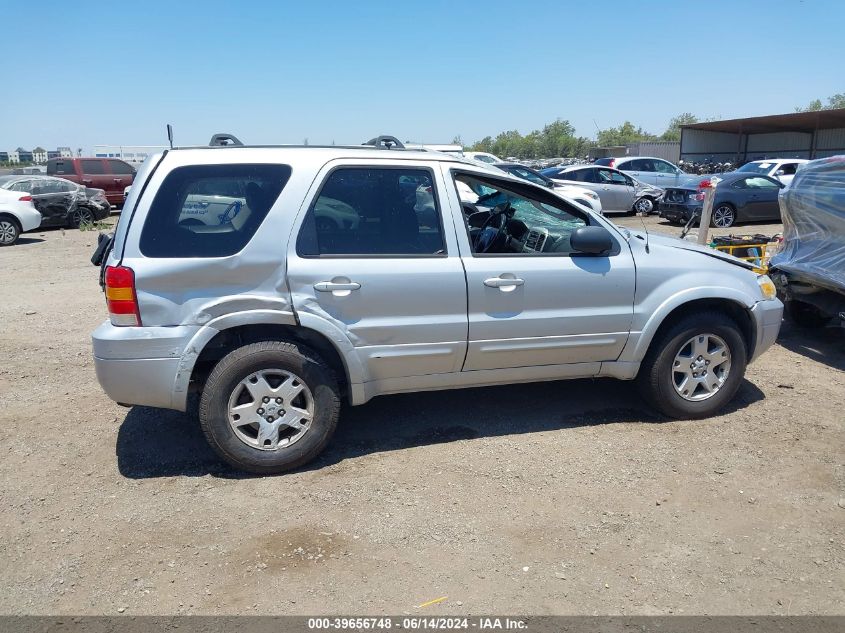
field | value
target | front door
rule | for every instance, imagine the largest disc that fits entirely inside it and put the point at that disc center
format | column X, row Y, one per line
column 532, row 300
column 95, row 173
column 617, row 189
column 762, row 198
column 376, row 258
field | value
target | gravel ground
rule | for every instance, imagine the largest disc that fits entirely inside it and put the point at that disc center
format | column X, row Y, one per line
column 552, row 498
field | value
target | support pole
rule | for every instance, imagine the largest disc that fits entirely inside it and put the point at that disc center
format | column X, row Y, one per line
column 707, row 211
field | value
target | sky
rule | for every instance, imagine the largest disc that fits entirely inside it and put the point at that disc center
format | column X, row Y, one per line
column 85, row 73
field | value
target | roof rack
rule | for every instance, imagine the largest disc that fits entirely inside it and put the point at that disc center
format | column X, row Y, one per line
column 222, row 139
column 385, row 142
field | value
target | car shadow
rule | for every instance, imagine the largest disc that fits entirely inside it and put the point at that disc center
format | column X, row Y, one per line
column 161, row 443
column 824, row 345
column 23, row 241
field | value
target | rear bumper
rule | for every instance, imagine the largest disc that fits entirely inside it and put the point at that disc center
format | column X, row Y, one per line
column 29, row 218
column 676, row 212
column 142, row 365
column 767, row 320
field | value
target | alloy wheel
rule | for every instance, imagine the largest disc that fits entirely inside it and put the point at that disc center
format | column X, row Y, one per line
column 701, row 367
column 723, row 216
column 271, row 409
column 643, row 205
column 8, row 232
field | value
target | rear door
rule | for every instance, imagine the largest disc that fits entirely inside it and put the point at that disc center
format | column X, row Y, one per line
column 95, row 173
column 615, row 188
column 53, row 199
column 122, row 175
column 380, row 264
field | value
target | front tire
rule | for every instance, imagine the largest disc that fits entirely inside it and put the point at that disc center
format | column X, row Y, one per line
column 269, row 407
column 694, row 367
column 644, row 205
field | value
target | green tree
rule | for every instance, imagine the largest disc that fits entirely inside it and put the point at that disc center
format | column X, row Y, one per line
column 673, row 131
column 622, row 135
column 834, row 102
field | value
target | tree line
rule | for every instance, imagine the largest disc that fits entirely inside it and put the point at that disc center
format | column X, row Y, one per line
column 558, row 139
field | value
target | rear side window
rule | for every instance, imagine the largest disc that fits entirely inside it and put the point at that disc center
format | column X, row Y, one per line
column 373, row 212
column 119, row 167
column 210, row 210
column 93, row 166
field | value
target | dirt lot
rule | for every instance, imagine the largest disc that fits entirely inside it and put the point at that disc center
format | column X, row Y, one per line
column 565, row 498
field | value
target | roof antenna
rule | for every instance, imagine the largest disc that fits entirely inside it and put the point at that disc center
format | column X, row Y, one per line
column 170, row 135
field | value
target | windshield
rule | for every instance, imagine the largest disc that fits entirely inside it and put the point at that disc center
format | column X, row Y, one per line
column 757, row 168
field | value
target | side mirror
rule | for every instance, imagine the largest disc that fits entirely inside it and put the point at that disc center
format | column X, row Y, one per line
column 591, row 239
column 780, row 172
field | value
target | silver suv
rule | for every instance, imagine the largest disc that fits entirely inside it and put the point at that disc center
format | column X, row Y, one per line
column 277, row 282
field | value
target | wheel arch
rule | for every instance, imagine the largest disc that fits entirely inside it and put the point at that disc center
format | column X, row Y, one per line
column 220, row 336
column 11, row 216
column 664, row 319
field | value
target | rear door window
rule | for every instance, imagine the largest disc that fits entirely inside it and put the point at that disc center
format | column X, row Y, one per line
column 93, row 166
column 369, row 211
column 210, row 210
column 119, row 167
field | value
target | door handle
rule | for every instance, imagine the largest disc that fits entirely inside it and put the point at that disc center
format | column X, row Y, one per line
column 331, row 286
column 87, row 182
column 504, row 283
column 118, row 179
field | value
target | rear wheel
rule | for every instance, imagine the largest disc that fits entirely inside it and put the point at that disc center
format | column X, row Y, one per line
column 269, row 407
column 724, row 216
column 9, row 231
column 81, row 216
column 695, row 367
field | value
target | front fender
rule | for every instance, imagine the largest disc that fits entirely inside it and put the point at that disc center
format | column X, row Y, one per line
column 650, row 319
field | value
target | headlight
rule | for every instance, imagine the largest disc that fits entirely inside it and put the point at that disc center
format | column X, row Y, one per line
column 767, row 287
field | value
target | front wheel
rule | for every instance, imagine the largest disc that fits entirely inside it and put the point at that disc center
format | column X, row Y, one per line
column 269, row 407
column 695, row 367
column 644, row 206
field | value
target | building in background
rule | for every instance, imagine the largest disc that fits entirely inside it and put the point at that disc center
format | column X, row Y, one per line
column 24, row 155
column 130, row 153
column 39, row 155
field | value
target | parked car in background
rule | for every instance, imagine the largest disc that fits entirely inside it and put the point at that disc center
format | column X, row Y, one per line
column 59, row 201
column 650, row 170
column 484, row 157
column 275, row 319
column 740, row 197
column 581, row 195
column 619, row 193
column 782, row 169
column 17, row 213
column 109, row 174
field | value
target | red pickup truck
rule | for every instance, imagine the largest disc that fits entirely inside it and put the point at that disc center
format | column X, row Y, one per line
column 109, row 174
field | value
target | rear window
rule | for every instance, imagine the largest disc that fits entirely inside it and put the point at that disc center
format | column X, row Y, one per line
column 210, row 210
column 604, row 161
column 60, row 167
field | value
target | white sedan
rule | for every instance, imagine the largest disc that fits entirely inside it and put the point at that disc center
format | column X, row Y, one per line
column 17, row 213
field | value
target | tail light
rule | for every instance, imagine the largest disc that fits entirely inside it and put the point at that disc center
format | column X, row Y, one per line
column 25, row 199
column 699, row 196
column 121, row 299
column 612, row 162
column 705, row 184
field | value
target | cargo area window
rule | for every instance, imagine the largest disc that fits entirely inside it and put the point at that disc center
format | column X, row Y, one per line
column 362, row 211
column 210, row 210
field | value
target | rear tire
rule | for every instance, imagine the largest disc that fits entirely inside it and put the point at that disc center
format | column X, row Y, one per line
column 246, row 447
column 81, row 216
column 724, row 216
column 10, row 231
column 661, row 370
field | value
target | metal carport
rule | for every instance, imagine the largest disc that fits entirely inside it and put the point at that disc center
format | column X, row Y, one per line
column 795, row 135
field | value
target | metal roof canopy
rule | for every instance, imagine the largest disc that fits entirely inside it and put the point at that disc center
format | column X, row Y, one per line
column 792, row 122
